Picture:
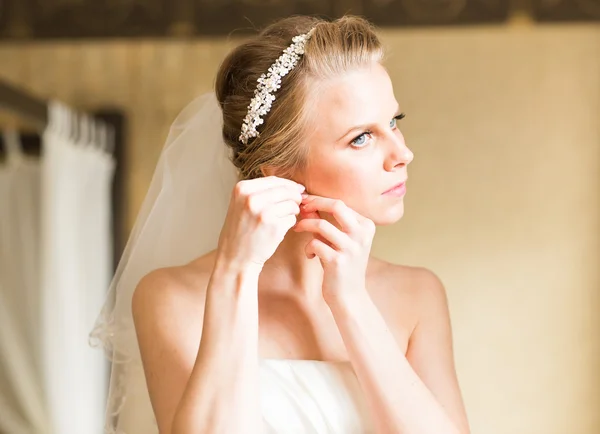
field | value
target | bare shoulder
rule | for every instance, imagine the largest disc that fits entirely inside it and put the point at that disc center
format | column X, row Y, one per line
column 168, row 310
column 430, row 349
column 427, row 288
column 172, row 286
column 172, row 297
column 403, row 294
column 407, row 281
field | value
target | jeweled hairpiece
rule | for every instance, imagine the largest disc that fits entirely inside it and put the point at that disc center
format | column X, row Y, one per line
column 268, row 83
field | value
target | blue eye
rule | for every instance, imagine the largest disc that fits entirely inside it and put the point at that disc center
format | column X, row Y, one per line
column 361, row 139
column 395, row 120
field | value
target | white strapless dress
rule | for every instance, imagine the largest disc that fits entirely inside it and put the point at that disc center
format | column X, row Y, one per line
column 312, row 397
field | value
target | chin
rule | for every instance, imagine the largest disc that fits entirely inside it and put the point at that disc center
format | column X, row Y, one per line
column 388, row 215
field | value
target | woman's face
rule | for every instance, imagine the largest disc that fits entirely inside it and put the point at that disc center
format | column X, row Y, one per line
column 356, row 149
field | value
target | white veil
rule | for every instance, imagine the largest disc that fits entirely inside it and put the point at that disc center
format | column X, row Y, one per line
column 180, row 219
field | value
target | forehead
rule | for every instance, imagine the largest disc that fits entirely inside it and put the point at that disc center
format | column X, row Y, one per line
column 358, row 97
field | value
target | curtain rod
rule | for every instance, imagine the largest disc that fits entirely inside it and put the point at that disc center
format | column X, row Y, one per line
column 35, row 110
column 22, row 104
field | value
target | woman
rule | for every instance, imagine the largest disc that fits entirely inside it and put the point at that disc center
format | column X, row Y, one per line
column 289, row 325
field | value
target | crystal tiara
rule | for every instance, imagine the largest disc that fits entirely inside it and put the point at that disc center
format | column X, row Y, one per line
column 268, row 83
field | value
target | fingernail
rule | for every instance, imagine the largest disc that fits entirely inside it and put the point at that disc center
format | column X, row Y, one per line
column 304, row 195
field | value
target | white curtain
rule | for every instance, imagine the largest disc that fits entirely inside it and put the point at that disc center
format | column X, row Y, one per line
column 22, row 404
column 56, row 264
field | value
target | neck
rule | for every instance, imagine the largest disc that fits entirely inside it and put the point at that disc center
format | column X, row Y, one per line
column 291, row 272
column 289, row 269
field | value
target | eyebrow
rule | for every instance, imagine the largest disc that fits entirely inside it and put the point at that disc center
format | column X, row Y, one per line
column 363, row 126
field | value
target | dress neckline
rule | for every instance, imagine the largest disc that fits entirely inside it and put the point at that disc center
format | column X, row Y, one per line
column 334, row 362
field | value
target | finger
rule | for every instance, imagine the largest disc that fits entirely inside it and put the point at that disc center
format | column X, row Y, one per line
column 282, row 209
column 326, row 230
column 278, row 194
column 344, row 215
column 318, row 248
column 288, row 221
column 308, row 215
column 258, row 184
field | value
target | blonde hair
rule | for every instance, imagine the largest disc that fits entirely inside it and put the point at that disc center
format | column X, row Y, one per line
column 334, row 48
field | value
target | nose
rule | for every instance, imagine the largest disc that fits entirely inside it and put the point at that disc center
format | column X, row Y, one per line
column 398, row 153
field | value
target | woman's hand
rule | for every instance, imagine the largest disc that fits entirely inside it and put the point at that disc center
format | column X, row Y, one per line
column 343, row 252
column 260, row 213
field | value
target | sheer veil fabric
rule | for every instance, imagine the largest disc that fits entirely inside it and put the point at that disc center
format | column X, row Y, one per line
column 180, row 219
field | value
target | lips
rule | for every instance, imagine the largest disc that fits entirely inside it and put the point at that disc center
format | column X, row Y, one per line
column 395, row 186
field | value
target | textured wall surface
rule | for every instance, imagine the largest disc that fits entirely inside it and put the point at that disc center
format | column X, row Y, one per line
column 503, row 198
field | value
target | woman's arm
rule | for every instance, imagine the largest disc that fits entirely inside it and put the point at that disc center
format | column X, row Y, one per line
column 202, row 373
column 423, row 400
column 413, row 394
column 206, row 385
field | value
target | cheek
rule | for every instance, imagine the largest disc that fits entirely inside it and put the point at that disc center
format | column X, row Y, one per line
column 352, row 183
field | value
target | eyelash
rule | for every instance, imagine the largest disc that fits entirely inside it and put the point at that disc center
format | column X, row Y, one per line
column 353, row 141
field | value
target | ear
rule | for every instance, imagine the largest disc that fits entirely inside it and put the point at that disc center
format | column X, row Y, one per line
column 268, row 170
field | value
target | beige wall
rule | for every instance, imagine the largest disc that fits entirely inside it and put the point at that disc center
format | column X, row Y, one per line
column 503, row 198
column 504, row 203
